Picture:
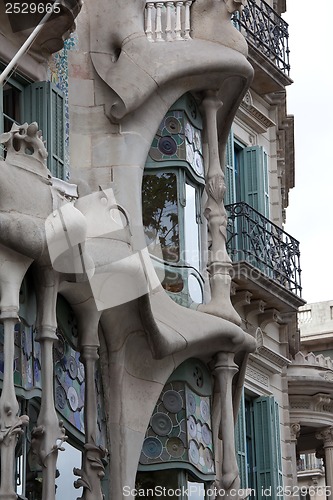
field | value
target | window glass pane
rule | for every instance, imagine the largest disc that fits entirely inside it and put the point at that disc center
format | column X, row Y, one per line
column 160, row 213
column 67, row 460
column 195, row 289
column 192, row 255
column 196, row 491
column 11, row 106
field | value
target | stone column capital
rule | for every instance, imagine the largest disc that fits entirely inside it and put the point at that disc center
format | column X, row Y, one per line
column 295, row 429
column 326, row 435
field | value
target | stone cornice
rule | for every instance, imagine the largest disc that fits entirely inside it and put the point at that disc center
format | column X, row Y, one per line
column 317, row 408
column 267, row 357
column 252, row 116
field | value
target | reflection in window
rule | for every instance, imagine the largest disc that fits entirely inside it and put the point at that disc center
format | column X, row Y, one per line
column 195, row 289
column 67, row 460
column 191, row 228
column 160, row 213
column 196, row 491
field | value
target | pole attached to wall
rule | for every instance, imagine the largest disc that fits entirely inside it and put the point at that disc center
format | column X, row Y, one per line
column 27, row 44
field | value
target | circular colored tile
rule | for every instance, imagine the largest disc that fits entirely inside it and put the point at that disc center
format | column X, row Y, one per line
column 208, row 458
column 192, row 427
column 194, row 452
column 197, row 140
column 60, row 397
column 206, row 434
column 161, row 424
column 175, row 447
column 189, row 132
column 172, row 401
column 152, row 447
column 167, row 146
column 189, row 154
column 204, row 410
column 72, row 367
column 172, row 125
column 73, row 398
column 191, row 403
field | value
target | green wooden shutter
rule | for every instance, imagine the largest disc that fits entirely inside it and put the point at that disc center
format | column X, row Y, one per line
column 1, row 120
column 254, row 178
column 267, row 446
column 230, row 196
column 44, row 103
column 240, row 444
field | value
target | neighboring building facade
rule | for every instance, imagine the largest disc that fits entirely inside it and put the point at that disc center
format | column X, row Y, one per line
column 154, row 121
column 310, row 379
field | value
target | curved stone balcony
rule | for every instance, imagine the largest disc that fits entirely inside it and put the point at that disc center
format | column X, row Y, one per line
column 310, row 381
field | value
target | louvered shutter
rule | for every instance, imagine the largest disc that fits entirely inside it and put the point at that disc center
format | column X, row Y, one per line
column 44, row 103
column 230, row 195
column 254, row 178
column 240, row 444
column 1, row 119
column 267, row 446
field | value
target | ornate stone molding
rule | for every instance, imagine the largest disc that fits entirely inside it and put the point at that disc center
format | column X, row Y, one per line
column 257, row 376
column 253, row 116
column 321, row 403
column 273, row 360
column 326, row 435
column 295, row 430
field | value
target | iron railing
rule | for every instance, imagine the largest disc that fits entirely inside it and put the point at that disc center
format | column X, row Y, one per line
column 253, row 238
column 266, row 31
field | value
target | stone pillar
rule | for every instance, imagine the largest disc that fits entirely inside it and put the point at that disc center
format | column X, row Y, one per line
column 224, row 371
column 326, row 435
column 295, row 429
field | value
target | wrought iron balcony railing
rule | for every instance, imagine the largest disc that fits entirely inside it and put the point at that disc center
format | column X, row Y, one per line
column 266, row 31
column 253, row 238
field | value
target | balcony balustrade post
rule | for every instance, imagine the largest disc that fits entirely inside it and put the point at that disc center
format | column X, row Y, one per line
column 178, row 23
column 188, row 4
column 158, row 26
column 168, row 29
column 149, row 24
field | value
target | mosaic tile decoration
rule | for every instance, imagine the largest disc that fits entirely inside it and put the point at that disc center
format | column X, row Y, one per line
column 69, row 382
column 27, row 364
column 58, row 74
column 199, row 435
column 178, row 139
column 180, row 430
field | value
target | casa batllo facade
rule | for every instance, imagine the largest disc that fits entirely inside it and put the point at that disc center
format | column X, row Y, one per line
column 148, row 290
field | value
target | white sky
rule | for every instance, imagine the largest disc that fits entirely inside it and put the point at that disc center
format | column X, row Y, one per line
column 310, row 100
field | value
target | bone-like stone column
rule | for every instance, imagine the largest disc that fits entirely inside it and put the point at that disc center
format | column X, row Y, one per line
column 13, row 267
column 326, row 435
column 92, row 470
column 224, row 371
column 49, row 434
column 219, row 263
